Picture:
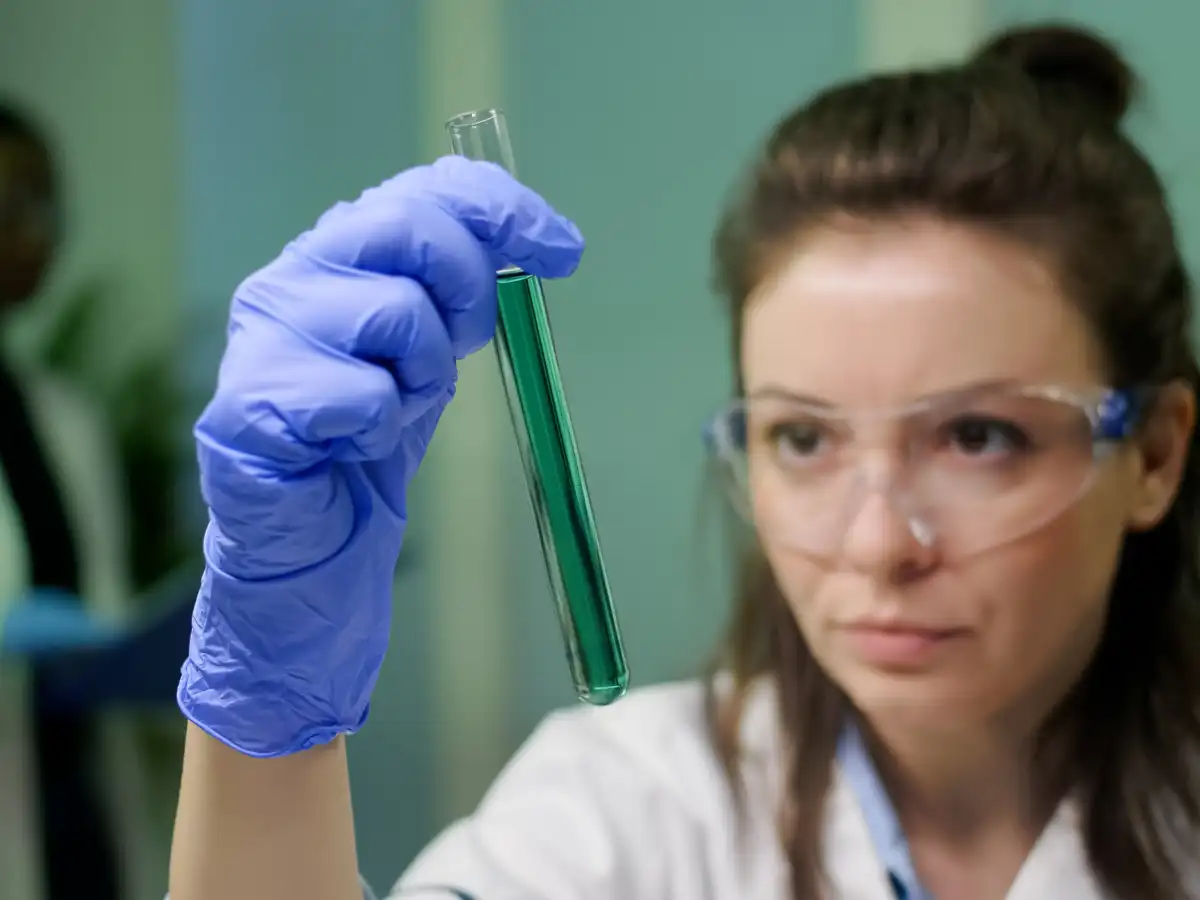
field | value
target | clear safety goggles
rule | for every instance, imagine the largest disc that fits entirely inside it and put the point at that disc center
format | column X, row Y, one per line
column 964, row 470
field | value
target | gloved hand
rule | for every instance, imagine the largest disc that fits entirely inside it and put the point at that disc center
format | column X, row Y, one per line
column 341, row 357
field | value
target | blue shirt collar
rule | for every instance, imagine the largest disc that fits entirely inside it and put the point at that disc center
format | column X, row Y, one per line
column 882, row 821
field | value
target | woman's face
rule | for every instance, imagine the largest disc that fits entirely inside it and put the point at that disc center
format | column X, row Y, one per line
column 881, row 317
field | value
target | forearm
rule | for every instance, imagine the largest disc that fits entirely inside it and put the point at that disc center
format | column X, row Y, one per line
column 263, row 829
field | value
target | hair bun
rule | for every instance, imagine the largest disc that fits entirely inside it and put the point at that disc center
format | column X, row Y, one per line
column 1068, row 58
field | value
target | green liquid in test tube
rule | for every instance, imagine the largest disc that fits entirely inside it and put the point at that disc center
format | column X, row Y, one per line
column 557, row 489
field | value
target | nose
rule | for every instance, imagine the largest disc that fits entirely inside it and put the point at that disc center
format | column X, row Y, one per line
column 884, row 540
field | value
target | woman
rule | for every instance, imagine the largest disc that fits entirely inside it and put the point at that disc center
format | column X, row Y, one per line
column 964, row 662
column 74, row 814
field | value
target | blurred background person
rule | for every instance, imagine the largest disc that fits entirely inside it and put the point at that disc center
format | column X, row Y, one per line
column 73, row 811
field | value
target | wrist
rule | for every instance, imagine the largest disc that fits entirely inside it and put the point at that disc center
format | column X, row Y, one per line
column 262, row 726
column 277, row 666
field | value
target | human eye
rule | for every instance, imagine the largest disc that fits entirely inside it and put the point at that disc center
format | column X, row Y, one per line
column 796, row 440
column 985, row 436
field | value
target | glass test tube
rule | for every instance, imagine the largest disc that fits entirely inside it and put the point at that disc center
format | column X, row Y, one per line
column 557, row 489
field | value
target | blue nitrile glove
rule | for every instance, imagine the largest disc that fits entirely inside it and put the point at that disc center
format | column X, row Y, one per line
column 341, row 357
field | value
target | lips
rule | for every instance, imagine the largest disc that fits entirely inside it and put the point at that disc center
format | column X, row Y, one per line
column 890, row 627
column 901, row 646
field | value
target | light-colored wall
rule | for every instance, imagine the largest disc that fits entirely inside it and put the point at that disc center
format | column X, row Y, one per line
column 103, row 77
column 917, row 32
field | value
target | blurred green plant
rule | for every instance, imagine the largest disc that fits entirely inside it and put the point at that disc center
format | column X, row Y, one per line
column 143, row 406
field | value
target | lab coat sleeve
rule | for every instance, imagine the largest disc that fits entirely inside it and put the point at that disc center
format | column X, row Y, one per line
column 585, row 811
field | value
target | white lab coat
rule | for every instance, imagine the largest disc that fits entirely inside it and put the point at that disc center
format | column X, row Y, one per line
column 630, row 802
column 82, row 460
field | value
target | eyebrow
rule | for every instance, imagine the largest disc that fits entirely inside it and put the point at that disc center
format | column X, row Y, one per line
column 775, row 392
column 778, row 392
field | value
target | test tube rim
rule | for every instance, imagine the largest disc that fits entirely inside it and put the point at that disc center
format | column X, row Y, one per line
column 474, row 118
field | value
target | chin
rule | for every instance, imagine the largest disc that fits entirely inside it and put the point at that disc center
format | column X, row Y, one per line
column 929, row 697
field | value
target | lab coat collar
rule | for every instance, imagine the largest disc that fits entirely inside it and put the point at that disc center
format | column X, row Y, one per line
column 1056, row 868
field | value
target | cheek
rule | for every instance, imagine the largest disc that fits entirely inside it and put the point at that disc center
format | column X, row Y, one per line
column 1063, row 574
column 1046, row 597
column 810, row 590
column 1043, row 603
column 1038, row 606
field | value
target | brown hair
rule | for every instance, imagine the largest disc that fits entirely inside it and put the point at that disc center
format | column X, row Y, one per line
column 1023, row 138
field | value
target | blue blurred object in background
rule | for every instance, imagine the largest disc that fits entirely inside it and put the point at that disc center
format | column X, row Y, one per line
column 47, row 623
column 86, row 662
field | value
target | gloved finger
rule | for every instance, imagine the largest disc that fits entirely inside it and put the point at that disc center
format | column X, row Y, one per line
column 293, row 404
column 360, row 417
column 381, row 318
column 411, row 336
column 388, row 230
column 514, row 222
column 389, row 476
column 412, row 238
